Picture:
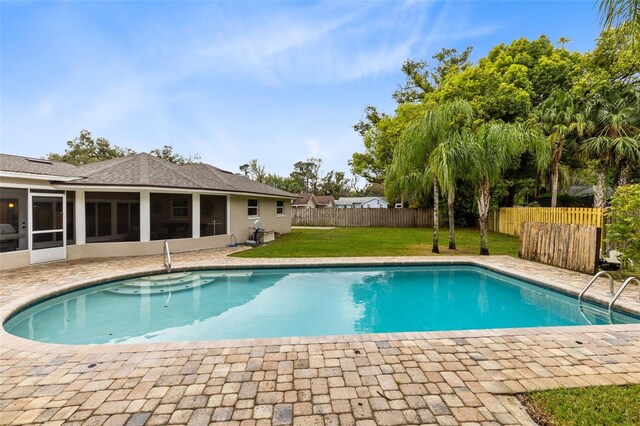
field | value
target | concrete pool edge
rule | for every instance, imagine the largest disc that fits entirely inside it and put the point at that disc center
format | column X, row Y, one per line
column 14, row 342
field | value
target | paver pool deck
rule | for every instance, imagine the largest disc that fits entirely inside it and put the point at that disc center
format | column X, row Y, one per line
column 458, row 377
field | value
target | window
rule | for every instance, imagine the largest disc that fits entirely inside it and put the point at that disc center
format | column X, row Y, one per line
column 280, row 207
column 179, row 208
column 252, row 207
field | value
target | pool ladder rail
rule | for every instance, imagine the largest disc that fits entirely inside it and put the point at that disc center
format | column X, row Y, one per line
column 167, row 256
column 617, row 294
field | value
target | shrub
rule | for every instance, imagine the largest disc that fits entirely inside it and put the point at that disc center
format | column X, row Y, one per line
column 623, row 229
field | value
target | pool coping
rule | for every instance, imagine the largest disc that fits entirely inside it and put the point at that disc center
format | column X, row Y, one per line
column 10, row 341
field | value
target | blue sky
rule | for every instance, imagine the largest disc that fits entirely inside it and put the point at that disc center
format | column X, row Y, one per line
column 233, row 81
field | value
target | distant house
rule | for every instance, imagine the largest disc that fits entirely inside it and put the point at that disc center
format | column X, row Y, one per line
column 362, row 203
column 325, row 201
column 305, row 201
column 126, row 206
column 311, row 201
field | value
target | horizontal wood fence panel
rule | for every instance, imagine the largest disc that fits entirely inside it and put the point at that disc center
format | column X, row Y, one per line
column 569, row 246
column 508, row 220
column 376, row 218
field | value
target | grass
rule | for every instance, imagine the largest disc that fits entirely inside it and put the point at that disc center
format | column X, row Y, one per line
column 602, row 405
column 350, row 242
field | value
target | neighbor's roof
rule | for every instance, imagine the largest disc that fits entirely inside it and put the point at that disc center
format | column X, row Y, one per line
column 303, row 199
column 358, row 200
column 36, row 166
column 145, row 170
column 324, row 199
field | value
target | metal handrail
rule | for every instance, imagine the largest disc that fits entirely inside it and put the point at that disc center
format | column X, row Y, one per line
column 595, row 277
column 622, row 287
column 167, row 256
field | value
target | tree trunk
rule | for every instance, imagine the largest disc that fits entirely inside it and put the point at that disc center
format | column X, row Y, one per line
column 451, row 198
column 484, row 199
column 555, row 174
column 625, row 169
column 436, row 215
column 599, row 189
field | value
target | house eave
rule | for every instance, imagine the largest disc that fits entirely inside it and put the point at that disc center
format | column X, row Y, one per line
column 35, row 176
column 70, row 186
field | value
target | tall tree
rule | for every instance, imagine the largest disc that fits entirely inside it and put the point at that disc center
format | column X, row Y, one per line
column 561, row 121
column 84, row 149
column 491, row 149
column 307, row 174
column 254, row 171
column 409, row 174
column 335, row 184
column 617, row 141
column 166, row 153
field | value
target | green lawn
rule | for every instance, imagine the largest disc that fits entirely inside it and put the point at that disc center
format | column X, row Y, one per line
column 602, row 405
column 349, row 242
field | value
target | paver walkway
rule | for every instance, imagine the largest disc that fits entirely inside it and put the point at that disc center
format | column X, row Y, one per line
column 465, row 377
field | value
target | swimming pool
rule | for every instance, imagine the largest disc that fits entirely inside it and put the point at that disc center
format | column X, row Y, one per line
column 211, row 305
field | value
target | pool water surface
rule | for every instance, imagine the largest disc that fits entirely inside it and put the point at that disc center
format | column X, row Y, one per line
column 232, row 304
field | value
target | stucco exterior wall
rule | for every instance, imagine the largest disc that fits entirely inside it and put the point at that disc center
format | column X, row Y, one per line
column 14, row 259
column 241, row 222
column 136, row 248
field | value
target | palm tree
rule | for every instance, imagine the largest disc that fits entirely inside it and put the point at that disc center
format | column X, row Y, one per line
column 621, row 13
column 447, row 162
column 492, row 149
column 560, row 121
column 616, row 144
column 410, row 174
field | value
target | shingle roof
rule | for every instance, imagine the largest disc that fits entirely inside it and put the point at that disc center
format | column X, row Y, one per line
column 36, row 166
column 303, row 199
column 324, row 199
column 145, row 170
column 358, row 200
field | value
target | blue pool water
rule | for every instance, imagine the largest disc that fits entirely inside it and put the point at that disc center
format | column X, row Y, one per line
column 209, row 305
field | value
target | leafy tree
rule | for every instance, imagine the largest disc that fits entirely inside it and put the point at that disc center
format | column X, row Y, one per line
column 624, row 221
column 166, row 153
column 254, row 171
column 421, row 80
column 513, row 79
column 334, row 184
column 284, row 183
column 307, row 174
column 611, row 68
column 491, row 149
column 410, row 175
column 84, row 150
column 380, row 134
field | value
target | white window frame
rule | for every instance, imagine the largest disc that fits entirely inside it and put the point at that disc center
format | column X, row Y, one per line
column 279, row 207
column 180, row 207
column 250, row 207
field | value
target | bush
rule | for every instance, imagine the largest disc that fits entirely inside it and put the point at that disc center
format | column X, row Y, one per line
column 623, row 229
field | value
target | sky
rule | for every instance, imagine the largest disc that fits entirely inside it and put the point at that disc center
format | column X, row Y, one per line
column 233, row 81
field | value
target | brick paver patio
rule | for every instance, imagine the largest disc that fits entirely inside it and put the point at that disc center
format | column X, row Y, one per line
column 461, row 377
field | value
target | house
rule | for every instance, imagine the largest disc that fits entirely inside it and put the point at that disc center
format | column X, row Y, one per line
column 311, row 201
column 126, row 206
column 362, row 203
column 305, row 200
column 326, row 202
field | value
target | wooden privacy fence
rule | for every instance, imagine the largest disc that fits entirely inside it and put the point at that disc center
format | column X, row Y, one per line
column 508, row 220
column 382, row 218
column 568, row 246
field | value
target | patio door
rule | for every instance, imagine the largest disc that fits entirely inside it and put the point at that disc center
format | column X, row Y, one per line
column 47, row 227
